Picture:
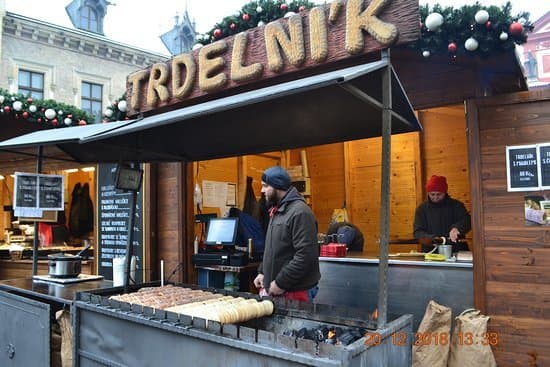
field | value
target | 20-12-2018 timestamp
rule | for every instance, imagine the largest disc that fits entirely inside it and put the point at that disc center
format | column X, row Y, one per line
column 401, row 338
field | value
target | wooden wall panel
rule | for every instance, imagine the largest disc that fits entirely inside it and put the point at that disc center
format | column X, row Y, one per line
column 513, row 285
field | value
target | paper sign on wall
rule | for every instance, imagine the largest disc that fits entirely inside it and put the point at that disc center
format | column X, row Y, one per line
column 36, row 192
column 528, row 167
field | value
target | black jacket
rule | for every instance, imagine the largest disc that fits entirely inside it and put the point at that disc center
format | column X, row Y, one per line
column 437, row 219
column 291, row 255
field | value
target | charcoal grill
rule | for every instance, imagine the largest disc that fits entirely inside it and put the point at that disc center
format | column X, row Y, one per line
column 113, row 333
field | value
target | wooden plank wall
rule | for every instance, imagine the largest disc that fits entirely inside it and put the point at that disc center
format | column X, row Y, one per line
column 512, row 260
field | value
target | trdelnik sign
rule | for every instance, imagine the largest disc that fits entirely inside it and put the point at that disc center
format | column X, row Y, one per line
column 321, row 39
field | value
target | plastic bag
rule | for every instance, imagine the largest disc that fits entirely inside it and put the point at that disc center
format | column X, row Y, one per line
column 471, row 343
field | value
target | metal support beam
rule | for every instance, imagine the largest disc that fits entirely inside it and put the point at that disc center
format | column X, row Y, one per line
column 36, row 239
column 385, row 193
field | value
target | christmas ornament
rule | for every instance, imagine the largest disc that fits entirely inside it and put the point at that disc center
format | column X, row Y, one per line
column 17, row 105
column 259, row 9
column 32, row 108
column 60, row 112
column 426, row 53
column 260, row 23
column 217, row 33
column 122, row 106
column 471, row 44
column 54, row 122
column 516, row 28
column 434, row 21
column 488, row 24
column 481, row 17
column 283, row 7
column 246, row 17
column 82, row 122
column 302, row 8
column 232, row 26
column 451, row 47
column 39, row 120
column 67, row 121
column 2, row 99
column 49, row 113
column 108, row 112
column 289, row 14
column 29, row 100
column 503, row 36
column 25, row 115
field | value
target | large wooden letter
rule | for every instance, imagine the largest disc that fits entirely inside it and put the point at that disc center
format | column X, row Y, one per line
column 292, row 46
column 318, row 37
column 157, row 84
column 181, row 90
column 239, row 72
column 210, row 63
column 383, row 32
column 136, row 79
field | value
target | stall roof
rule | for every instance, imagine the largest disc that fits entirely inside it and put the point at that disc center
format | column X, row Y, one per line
column 337, row 106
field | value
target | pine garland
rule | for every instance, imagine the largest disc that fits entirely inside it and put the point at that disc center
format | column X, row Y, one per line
column 48, row 113
column 460, row 25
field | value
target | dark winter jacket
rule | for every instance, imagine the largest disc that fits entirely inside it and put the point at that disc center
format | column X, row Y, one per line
column 291, row 255
column 437, row 219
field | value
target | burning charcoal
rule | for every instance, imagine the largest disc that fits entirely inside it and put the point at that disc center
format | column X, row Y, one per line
column 346, row 338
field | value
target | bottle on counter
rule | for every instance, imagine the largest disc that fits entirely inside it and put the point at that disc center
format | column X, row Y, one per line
column 250, row 249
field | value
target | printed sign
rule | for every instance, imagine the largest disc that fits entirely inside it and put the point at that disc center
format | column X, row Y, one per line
column 544, row 165
column 36, row 192
column 522, row 168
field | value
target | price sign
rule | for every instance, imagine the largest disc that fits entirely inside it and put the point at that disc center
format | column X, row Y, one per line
column 544, row 165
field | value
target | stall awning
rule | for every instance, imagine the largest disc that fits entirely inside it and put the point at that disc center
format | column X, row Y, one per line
column 337, row 106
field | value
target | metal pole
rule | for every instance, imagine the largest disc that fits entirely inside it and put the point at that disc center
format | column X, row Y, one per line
column 36, row 238
column 385, row 193
column 130, row 242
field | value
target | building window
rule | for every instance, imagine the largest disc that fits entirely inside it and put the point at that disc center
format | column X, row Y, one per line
column 88, row 19
column 92, row 99
column 31, row 84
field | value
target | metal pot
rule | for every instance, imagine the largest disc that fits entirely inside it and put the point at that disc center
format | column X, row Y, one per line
column 64, row 265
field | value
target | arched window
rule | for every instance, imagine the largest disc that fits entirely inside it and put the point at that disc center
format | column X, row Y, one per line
column 88, row 19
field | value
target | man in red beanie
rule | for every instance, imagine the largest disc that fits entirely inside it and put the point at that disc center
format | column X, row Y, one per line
column 441, row 216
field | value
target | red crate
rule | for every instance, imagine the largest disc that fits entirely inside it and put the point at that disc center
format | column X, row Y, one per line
column 333, row 250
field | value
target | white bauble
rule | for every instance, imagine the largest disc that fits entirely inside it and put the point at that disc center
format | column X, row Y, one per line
column 261, row 23
column 32, row 108
column 522, row 21
column 17, row 105
column 426, row 53
column 122, row 106
column 259, row 9
column 471, row 44
column 197, row 46
column 2, row 99
column 481, row 17
column 60, row 112
column 434, row 21
column 289, row 14
column 108, row 112
column 503, row 36
column 67, row 121
column 49, row 113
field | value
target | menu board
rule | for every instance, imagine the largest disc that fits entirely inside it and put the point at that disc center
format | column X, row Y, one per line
column 522, row 168
column 114, row 208
column 544, row 164
column 34, row 193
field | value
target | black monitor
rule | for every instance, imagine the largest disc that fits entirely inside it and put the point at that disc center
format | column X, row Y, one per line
column 222, row 231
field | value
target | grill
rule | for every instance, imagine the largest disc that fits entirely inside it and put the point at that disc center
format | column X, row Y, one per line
column 117, row 333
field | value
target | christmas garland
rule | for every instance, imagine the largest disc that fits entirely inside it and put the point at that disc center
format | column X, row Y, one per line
column 116, row 111
column 48, row 113
column 473, row 30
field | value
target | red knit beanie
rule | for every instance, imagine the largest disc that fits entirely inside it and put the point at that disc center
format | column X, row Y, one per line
column 437, row 183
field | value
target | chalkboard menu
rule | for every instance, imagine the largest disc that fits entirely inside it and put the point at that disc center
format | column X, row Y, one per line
column 522, row 170
column 544, row 163
column 113, row 218
column 37, row 192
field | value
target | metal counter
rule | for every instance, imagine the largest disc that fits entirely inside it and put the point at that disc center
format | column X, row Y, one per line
column 353, row 282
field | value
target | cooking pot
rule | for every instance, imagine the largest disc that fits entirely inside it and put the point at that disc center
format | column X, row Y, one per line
column 65, row 265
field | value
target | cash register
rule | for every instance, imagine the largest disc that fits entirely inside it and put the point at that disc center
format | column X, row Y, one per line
column 220, row 244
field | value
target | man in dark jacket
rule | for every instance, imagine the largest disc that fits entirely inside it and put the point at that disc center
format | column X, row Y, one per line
column 441, row 216
column 290, row 265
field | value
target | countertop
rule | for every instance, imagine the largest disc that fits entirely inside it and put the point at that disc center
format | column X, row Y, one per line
column 367, row 258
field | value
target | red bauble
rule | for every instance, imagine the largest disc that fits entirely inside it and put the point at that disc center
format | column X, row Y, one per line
column 70, row 116
column 232, row 26
column 488, row 24
column 39, row 120
column 452, row 47
column 82, row 122
column 302, row 8
column 7, row 109
column 515, row 28
column 42, row 109
column 25, row 115
column 54, row 122
column 284, row 7
column 29, row 100
column 246, row 17
column 217, row 33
